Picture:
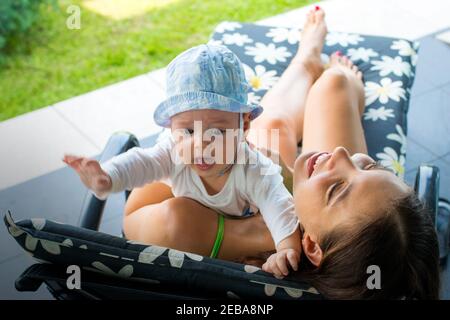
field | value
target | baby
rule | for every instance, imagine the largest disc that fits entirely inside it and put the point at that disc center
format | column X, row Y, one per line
column 206, row 106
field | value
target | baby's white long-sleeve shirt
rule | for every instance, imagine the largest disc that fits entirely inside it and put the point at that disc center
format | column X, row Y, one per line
column 252, row 186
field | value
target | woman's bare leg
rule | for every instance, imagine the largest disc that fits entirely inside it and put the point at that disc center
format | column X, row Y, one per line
column 184, row 224
column 334, row 107
column 284, row 103
column 151, row 193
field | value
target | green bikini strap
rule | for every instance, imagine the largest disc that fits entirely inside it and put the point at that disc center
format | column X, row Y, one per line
column 219, row 237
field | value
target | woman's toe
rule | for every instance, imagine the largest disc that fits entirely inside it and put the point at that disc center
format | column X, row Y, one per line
column 348, row 62
column 320, row 14
column 313, row 17
column 309, row 18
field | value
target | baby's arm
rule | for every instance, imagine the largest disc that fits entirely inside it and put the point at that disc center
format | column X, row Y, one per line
column 126, row 171
column 276, row 204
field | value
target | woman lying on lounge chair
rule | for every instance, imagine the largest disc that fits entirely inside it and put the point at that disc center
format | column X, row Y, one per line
column 353, row 214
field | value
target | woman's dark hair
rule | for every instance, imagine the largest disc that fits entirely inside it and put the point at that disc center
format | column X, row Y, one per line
column 401, row 242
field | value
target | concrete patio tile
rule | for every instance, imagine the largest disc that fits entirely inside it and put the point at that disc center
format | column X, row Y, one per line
column 429, row 121
column 293, row 18
column 446, row 87
column 436, row 12
column 434, row 63
column 159, row 76
column 127, row 106
column 374, row 17
column 421, row 82
column 416, row 155
column 33, row 144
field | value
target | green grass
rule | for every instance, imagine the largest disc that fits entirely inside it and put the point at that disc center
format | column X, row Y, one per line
column 52, row 63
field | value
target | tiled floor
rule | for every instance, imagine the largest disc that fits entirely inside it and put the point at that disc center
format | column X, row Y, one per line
column 429, row 112
column 34, row 183
column 58, row 196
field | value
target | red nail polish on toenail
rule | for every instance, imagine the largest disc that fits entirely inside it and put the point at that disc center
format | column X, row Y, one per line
column 317, row 8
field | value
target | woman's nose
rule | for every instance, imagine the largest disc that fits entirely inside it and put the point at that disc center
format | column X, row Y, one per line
column 340, row 151
column 341, row 157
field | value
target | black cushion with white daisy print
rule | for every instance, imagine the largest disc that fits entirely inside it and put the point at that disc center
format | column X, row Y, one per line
column 387, row 64
column 162, row 268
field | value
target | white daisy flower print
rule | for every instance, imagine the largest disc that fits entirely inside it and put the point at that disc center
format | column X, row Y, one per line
column 253, row 98
column 31, row 242
column 391, row 160
column 260, row 78
column 125, row 272
column 284, row 34
column 213, row 42
column 361, row 54
column 270, row 289
column 150, row 254
column 406, row 49
column 343, row 39
column 236, row 38
column 389, row 65
column 176, row 258
column 383, row 91
column 381, row 113
column 251, row 269
column 269, row 53
column 228, row 26
column 400, row 137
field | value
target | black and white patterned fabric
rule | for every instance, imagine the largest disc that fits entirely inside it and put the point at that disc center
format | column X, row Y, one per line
column 387, row 64
column 51, row 242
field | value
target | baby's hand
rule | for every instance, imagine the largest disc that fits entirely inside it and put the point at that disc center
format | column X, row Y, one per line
column 278, row 262
column 90, row 172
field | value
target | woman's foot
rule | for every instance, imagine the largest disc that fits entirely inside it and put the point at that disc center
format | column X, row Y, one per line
column 312, row 40
column 342, row 64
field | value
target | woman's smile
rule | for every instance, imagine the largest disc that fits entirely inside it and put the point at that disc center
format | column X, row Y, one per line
column 315, row 160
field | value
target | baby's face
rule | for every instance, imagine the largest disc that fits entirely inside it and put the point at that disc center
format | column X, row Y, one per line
column 206, row 140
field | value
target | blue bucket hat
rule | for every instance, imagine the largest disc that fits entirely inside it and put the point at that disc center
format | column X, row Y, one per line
column 205, row 77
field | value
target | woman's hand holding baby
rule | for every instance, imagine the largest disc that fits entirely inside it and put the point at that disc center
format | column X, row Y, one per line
column 91, row 173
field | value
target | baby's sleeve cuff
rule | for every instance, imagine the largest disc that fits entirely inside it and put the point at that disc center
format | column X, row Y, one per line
column 287, row 231
column 116, row 184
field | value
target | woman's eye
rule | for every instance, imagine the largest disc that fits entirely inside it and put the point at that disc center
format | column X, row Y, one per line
column 370, row 165
column 333, row 190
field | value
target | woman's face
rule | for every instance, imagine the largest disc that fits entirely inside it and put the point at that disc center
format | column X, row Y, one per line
column 339, row 188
